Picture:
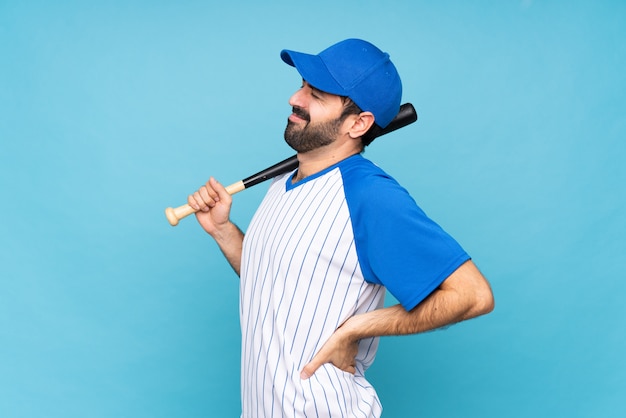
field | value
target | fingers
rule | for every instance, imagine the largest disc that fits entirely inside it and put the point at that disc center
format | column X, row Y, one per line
column 312, row 367
column 340, row 350
column 222, row 193
column 342, row 356
column 206, row 197
column 309, row 369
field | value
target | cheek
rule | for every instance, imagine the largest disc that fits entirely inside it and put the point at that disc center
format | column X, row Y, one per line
column 325, row 112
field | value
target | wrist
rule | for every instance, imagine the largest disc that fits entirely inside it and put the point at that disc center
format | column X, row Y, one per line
column 352, row 329
column 224, row 231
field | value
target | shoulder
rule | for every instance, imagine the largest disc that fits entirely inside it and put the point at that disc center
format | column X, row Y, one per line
column 361, row 173
column 365, row 183
column 359, row 165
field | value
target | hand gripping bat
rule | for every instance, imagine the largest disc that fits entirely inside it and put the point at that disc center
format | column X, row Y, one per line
column 405, row 116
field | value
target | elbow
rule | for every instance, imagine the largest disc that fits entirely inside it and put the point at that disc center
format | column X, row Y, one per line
column 484, row 302
column 473, row 290
column 488, row 303
column 479, row 301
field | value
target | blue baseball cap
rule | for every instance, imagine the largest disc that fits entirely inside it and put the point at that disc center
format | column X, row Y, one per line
column 356, row 69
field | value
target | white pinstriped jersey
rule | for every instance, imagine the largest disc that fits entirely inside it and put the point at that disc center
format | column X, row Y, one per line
column 308, row 264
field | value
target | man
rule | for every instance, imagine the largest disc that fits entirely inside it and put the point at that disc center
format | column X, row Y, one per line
column 325, row 243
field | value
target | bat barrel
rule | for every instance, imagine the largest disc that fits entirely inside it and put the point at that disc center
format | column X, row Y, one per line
column 405, row 116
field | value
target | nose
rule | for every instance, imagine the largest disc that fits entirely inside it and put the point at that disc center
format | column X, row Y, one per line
column 298, row 99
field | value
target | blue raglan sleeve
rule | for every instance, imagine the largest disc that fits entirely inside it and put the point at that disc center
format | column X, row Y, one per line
column 397, row 244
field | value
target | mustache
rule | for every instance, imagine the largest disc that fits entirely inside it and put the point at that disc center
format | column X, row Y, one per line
column 301, row 113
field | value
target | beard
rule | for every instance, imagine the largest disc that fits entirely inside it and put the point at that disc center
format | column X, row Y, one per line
column 312, row 135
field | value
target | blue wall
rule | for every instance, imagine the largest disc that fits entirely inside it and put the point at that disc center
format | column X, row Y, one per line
column 112, row 111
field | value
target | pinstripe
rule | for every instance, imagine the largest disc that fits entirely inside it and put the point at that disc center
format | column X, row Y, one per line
column 271, row 286
column 271, row 225
column 301, row 280
column 293, row 372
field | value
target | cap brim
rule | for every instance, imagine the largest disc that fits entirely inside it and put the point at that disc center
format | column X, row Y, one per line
column 313, row 70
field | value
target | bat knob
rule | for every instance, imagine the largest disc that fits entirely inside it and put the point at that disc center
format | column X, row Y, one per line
column 176, row 214
column 171, row 216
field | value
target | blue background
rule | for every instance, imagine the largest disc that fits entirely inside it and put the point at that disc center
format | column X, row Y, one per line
column 112, row 111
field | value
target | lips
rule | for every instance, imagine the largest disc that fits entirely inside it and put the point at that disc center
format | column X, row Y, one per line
column 295, row 118
column 299, row 115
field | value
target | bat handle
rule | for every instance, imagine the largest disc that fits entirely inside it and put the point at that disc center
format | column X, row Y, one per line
column 174, row 215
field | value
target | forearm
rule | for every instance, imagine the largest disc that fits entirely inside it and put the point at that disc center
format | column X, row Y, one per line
column 434, row 312
column 342, row 347
column 230, row 240
column 464, row 295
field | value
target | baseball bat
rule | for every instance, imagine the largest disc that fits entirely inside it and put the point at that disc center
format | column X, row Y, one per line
column 405, row 116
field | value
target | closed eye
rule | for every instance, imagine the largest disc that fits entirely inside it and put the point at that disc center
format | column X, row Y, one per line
column 315, row 93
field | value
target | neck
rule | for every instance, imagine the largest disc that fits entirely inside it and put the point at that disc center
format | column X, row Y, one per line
column 313, row 162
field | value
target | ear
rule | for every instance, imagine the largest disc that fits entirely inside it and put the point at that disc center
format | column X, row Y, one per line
column 361, row 124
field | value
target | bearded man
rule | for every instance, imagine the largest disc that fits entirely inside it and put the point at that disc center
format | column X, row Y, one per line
column 327, row 241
